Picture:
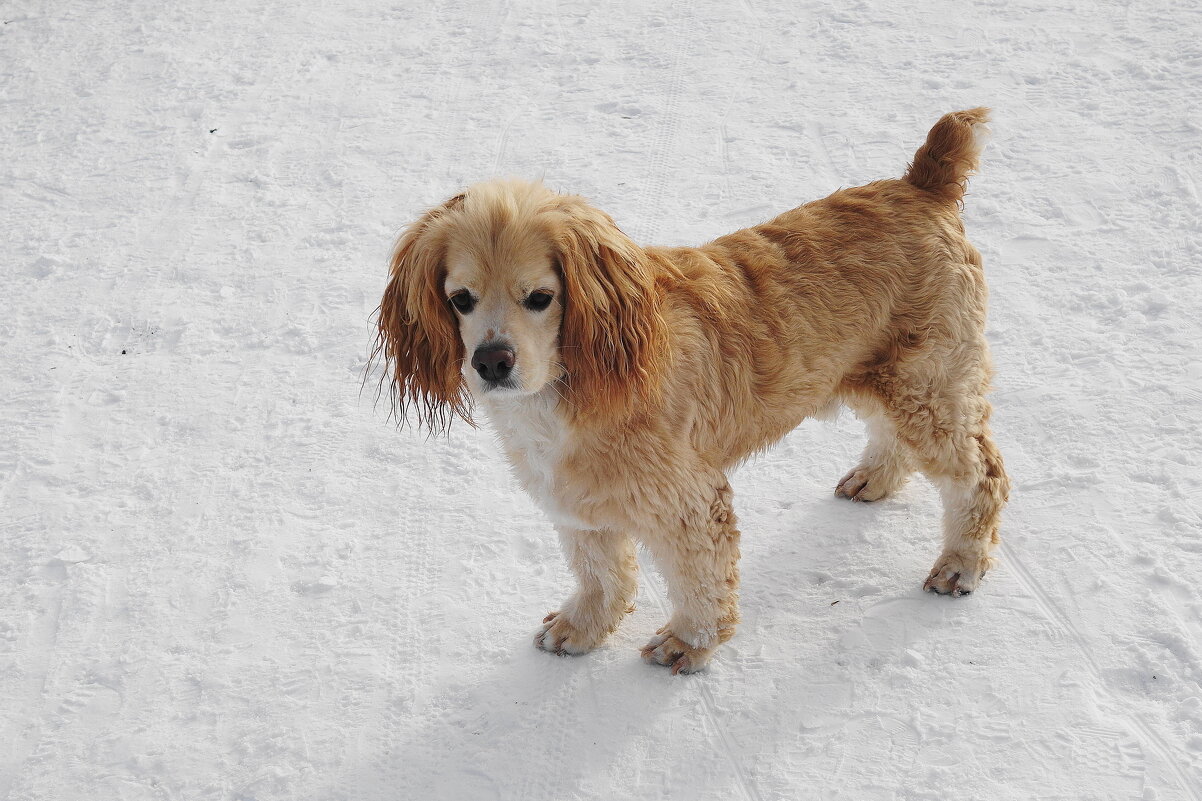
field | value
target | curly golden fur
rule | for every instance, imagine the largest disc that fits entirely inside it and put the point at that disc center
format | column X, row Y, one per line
column 626, row 381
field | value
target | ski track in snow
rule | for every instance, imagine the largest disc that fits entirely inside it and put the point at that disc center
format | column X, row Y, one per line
column 225, row 575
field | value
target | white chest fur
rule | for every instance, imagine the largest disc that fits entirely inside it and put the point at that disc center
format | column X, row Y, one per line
column 535, row 438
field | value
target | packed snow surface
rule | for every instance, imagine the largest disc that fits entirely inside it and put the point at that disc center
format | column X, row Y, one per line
column 224, row 574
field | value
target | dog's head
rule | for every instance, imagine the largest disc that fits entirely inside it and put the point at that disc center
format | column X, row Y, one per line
column 510, row 289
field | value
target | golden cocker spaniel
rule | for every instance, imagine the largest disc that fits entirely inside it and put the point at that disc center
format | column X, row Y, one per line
column 625, row 381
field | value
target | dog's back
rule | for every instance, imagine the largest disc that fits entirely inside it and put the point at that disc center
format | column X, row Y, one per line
column 783, row 318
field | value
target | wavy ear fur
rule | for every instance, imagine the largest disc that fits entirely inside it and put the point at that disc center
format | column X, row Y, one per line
column 613, row 336
column 417, row 334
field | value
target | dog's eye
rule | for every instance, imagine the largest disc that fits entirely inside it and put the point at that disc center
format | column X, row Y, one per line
column 463, row 302
column 537, row 301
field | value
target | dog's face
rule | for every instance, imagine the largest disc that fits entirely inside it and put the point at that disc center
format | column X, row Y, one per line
column 510, row 288
column 509, row 311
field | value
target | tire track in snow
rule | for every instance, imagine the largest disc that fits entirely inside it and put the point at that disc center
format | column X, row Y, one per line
column 825, row 169
column 480, row 36
column 1054, row 613
column 467, row 35
column 42, row 640
column 646, row 228
column 736, row 90
column 560, row 714
column 648, row 218
column 18, row 470
column 47, row 630
column 546, row 87
column 67, row 685
column 398, row 697
column 708, row 707
column 481, row 39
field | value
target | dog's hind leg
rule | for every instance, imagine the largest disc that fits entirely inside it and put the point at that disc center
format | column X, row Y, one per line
column 605, row 567
column 974, row 487
column 700, row 560
column 942, row 415
column 886, row 462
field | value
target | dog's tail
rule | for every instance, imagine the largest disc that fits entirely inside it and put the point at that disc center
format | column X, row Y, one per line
column 952, row 151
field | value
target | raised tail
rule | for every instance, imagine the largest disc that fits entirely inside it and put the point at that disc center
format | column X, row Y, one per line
column 952, row 151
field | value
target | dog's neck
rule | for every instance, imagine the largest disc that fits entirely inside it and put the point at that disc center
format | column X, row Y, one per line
column 524, row 418
column 536, row 438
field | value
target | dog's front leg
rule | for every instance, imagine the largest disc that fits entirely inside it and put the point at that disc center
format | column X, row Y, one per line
column 606, row 569
column 700, row 561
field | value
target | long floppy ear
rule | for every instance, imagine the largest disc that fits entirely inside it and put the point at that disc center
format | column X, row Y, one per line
column 417, row 334
column 613, row 336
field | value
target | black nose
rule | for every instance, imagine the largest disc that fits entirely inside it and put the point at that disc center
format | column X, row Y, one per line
column 493, row 363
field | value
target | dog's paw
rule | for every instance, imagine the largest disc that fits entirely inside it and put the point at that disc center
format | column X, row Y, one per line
column 559, row 635
column 665, row 648
column 868, row 483
column 956, row 574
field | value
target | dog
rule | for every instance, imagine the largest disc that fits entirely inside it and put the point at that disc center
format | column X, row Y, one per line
column 625, row 382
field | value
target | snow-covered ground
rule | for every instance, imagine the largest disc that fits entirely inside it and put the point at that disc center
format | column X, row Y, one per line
column 225, row 575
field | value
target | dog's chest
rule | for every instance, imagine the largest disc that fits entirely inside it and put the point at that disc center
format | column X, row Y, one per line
column 535, row 440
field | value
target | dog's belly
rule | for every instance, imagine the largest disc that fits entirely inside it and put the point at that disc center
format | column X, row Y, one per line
column 726, row 440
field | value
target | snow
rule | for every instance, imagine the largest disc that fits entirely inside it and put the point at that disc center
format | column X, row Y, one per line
column 225, row 575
